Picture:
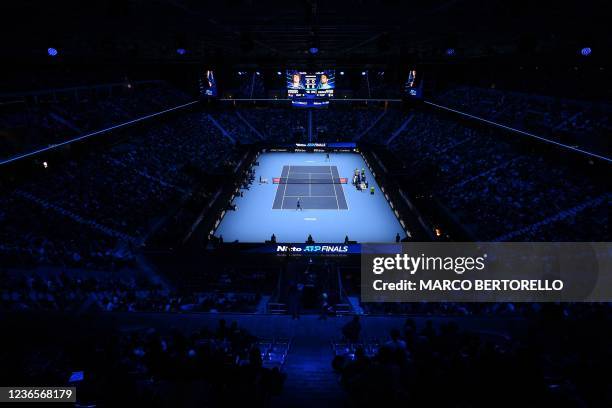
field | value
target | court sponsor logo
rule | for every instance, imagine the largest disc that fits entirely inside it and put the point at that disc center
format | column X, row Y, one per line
column 310, row 144
column 328, row 249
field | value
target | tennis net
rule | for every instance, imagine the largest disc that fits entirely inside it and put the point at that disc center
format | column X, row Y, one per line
column 311, row 180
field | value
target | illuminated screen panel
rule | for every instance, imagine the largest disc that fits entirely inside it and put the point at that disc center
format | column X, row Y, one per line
column 208, row 84
column 302, row 83
column 412, row 87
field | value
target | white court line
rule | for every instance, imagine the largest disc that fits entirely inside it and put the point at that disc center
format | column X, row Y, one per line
column 335, row 191
column 283, row 202
column 291, row 174
column 342, row 192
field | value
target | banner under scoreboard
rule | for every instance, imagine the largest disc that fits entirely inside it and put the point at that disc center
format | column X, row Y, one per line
column 316, row 147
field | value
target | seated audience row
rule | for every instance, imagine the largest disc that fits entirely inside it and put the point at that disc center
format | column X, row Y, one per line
column 121, row 193
column 585, row 124
column 31, row 124
column 154, row 367
column 79, row 291
column 556, row 364
column 497, row 188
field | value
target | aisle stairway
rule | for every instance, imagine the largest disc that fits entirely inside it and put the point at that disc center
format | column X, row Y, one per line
column 311, row 382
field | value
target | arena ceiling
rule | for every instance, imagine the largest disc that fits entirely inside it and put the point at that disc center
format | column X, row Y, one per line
column 272, row 30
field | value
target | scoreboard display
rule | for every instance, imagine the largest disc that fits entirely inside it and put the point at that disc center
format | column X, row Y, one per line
column 301, row 84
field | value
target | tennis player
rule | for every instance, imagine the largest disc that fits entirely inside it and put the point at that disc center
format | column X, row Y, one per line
column 299, row 204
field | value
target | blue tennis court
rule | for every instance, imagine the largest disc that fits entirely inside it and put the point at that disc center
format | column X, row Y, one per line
column 269, row 207
column 317, row 187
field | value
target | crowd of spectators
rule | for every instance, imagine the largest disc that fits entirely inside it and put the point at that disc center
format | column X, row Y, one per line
column 240, row 131
column 56, row 116
column 31, row 235
column 101, row 107
column 219, row 366
column 278, row 125
column 94, row 211
column 557, row 362
column 343, row 123
column 23, row 128
column 585, row 124
column 287, row 125
column 104, row 204
column 382, row 131
column 497, row 188
column 80, row 291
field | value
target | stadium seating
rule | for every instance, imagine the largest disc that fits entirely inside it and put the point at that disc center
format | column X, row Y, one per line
column 278, row 125
column 59, row 115
column 586, row 124
column 75, row 290
column 412, row 362
column 121, row 194
column 497, row 188
column 222, row 366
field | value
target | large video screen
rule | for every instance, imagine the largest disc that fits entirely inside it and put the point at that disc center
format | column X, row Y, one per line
column 208, row 84
column 318, row 83
column 412, row 87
